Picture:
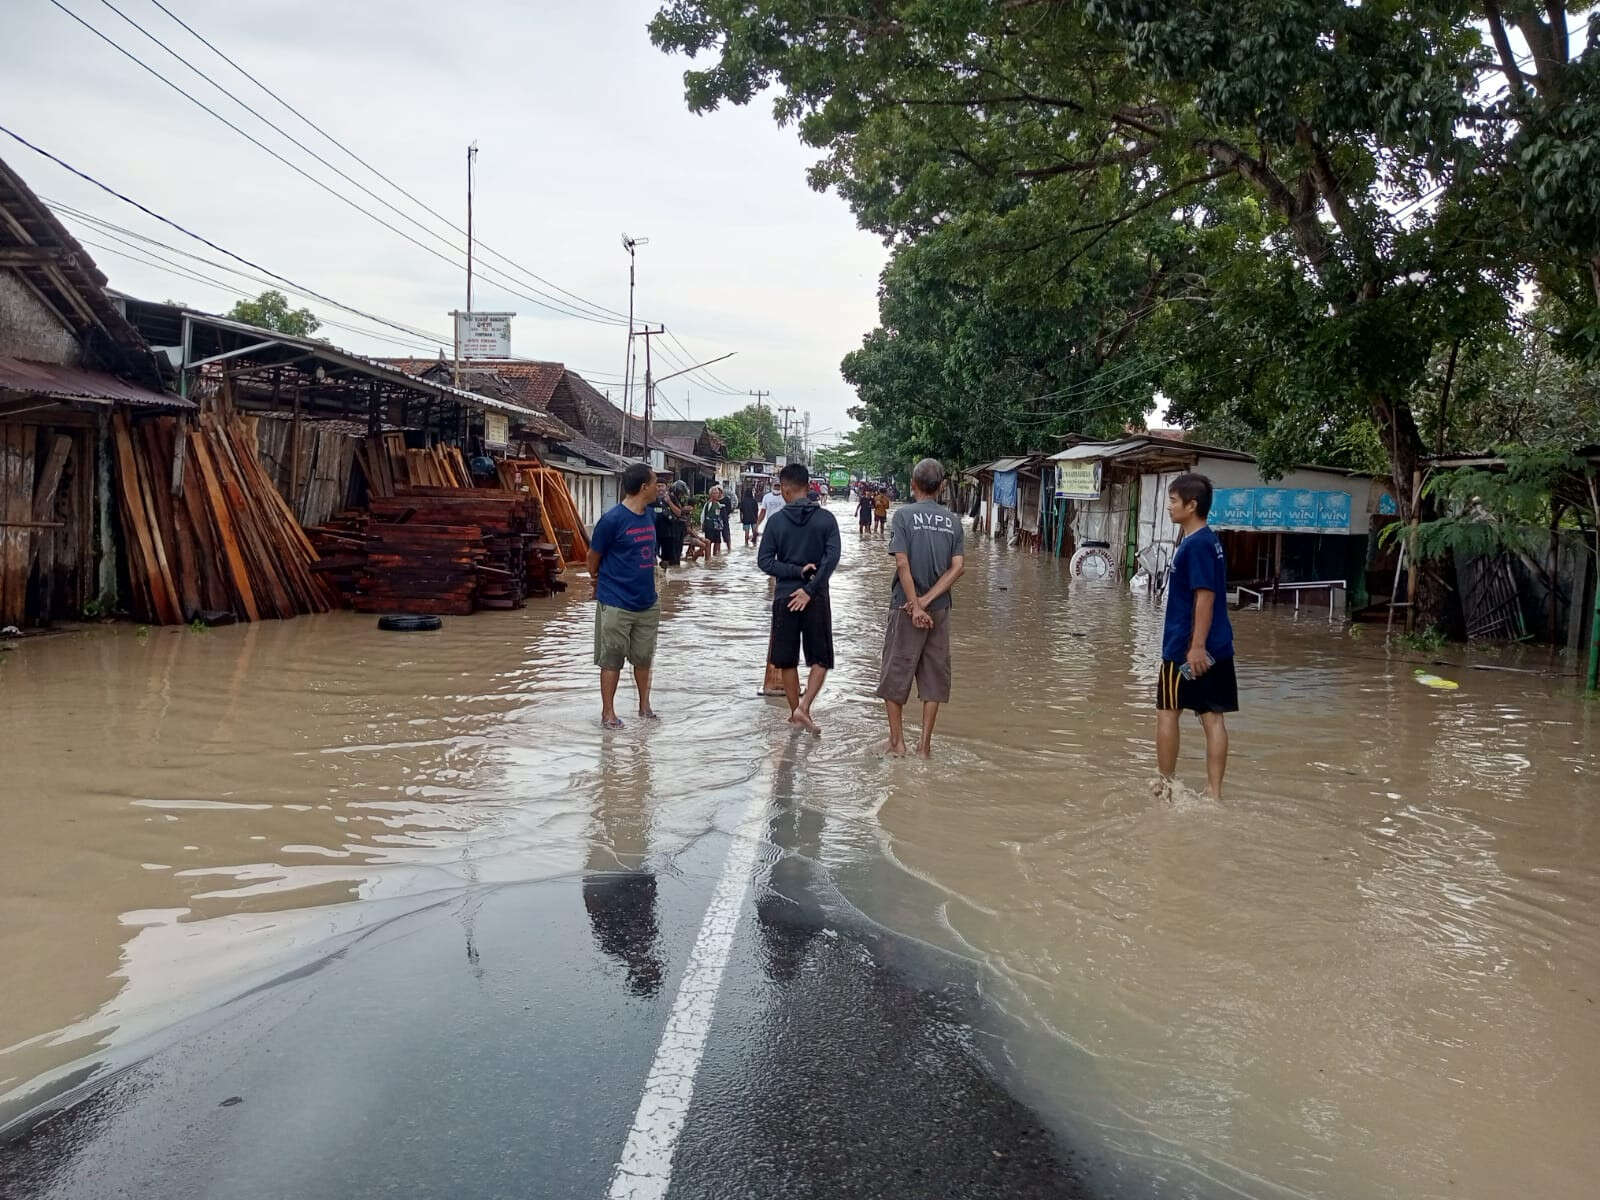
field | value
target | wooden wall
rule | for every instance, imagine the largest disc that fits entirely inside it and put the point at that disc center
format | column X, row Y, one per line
column 47, row 518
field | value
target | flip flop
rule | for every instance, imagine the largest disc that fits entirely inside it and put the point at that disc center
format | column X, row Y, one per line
column 649, row 714
column 613, row 723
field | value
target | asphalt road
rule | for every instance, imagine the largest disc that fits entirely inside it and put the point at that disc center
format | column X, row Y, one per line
column 498, row 1044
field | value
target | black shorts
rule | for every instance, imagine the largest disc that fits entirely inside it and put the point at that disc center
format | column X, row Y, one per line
column 812, row 627
column 1217, row 691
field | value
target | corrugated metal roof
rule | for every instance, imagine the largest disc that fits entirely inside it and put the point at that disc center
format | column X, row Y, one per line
column 72, row 383
column 1010, row 464
column 1098, row 450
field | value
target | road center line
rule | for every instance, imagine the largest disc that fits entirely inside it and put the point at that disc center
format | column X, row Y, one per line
column 645, row 1169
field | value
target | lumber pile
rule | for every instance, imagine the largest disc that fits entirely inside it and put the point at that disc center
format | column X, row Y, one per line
column 389, row 466
column 440, row 550
column 561, row 523
column 204, row 527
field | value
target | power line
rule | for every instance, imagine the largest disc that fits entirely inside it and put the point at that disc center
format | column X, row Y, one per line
column 178, row 271
column 110, row 229
column 150, row 212
column 567, row 311
column 357, row 158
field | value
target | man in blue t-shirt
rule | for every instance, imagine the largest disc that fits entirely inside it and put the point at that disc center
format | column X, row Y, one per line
column 1197, row 642
column 622, row 563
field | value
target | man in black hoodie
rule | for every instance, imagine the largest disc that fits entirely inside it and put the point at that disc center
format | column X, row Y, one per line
column 800, row 549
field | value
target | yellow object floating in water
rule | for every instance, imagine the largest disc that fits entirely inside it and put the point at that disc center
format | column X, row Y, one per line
column 1435, row 681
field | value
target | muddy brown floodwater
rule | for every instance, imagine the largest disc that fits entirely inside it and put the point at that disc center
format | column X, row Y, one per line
column 1372, row 972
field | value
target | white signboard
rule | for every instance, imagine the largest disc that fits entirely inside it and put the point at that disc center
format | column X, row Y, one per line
column 484, row 334
column 496, row 429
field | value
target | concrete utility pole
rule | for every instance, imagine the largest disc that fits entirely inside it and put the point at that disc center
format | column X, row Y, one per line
column 631, row 245
column 785, row 410
column 649, row 389
column 759, row 397
column 472, row 155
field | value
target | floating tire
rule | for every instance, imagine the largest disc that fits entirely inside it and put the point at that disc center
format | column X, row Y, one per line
column 410, row 624
column 1094, row 563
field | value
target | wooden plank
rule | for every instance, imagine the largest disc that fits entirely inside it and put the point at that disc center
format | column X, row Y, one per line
column 151, row 476
column 7, row 617
column 44, row 492
column 232, row 556
column 162, row 604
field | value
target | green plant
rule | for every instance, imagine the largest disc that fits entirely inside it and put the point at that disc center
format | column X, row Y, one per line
column 199, row 626
column 141, row 632
column 94, row 609
column 1422, row 641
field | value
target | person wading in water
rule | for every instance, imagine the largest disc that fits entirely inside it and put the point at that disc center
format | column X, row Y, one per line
column 927, row 543
column 622, row 563
column 800, row 548
column 1197, row 641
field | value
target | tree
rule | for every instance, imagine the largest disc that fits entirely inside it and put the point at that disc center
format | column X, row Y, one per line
column 1341, row 192
column 271, row 310
column 750, row 433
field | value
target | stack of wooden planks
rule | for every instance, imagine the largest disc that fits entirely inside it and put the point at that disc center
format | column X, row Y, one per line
column 562, row 525
column 205, row 529
column 441, row 550
column 389, row 466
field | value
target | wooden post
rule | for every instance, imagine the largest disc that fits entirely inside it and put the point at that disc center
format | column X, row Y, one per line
column 1411, row 572
column 294, row 454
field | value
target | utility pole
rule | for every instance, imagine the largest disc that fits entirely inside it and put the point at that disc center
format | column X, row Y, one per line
column 785, row 410
column 631, row 245
column 759, row 397
column 649, row 388
column 472, row 155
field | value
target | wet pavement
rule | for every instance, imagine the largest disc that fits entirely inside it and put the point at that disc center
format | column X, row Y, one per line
column 308, row 909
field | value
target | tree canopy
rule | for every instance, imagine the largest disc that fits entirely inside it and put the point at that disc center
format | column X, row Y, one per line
column 750, row 433
column 271, row 310
column 1279, row 215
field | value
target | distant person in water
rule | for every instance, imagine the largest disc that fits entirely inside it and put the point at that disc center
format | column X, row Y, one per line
column 711, row 519
column 880, row 510
column 627, row 615
column 1197, row 640
column 928, row 545
column 864, row 510
column 749, row 515
column 800, row 548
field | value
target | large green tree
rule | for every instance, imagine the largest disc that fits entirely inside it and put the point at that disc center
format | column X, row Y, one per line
column 271, row 310
column 751, row 433
column 1345, row 188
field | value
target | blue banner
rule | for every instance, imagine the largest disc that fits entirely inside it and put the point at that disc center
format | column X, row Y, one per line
column 1272, row 509
column 1333, row 512
column 1302, row 514
column 1234, row 508
column 1005, row 489
column 1281, row 510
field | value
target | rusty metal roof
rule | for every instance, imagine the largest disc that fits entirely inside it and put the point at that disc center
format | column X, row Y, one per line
column 72, row 383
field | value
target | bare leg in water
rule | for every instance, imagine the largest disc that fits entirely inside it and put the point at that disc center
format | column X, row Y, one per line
column 800, row 709
column 930, row 714
column 1216, row 751
column 897, row 737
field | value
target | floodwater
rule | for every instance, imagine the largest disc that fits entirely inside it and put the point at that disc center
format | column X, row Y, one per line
column 1372, row 971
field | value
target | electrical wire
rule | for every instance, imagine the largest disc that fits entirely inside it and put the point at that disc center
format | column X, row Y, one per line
column 150, row 212
column 478, row 243
column 297, row 169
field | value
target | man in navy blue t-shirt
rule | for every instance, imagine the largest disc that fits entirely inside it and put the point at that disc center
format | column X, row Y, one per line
column 622, row 563
column 1197, row 642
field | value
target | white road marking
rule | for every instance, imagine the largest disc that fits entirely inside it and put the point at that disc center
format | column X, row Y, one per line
column 645, row 1169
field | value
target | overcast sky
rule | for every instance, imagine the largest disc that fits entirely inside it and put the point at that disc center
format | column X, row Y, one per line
column 582, row 135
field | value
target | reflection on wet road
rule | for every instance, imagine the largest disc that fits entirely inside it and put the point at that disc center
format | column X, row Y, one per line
column 1372, row 972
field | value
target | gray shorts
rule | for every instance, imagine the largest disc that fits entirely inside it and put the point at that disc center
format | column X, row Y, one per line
column 623, row 634
column 920, row 655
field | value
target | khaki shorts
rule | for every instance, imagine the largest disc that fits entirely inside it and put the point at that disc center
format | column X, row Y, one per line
column 622, row 634
column 920, row 655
